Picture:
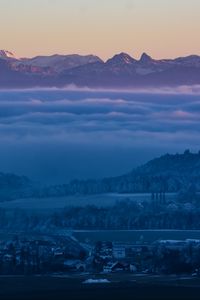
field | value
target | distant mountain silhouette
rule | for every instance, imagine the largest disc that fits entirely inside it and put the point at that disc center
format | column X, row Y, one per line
column 121, row 71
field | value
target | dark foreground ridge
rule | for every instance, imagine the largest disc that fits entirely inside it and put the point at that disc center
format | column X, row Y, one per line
column 44, row 288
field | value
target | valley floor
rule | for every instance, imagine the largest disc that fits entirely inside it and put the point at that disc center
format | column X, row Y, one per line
column 120, row 287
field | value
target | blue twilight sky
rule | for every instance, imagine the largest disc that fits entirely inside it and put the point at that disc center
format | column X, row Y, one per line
column 164, row 28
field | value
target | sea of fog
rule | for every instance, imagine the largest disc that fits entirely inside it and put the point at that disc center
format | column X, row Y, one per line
column 58, row 135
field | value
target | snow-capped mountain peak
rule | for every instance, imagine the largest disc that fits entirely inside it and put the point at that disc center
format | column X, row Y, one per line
column 120, row 71
column 7, row 54
column 123, row 58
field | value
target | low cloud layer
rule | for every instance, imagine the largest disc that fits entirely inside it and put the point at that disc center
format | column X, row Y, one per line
column 58, row 133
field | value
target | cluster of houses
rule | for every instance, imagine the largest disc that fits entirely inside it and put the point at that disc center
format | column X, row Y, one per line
column 66, row 254
column 111, row 257
column 40, row 256
column 163, row 256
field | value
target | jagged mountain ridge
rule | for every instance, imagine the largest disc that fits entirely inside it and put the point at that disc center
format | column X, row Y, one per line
column 59, row 63
column 120, row 71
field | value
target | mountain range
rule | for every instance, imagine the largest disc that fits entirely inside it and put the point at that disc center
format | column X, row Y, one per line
column 120, row 71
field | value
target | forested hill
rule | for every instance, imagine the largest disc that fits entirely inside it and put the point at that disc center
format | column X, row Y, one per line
column 169, row 173
column 187, row 164
column 13, row 186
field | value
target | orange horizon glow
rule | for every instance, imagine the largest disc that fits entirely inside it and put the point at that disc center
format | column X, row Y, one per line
column 161, row 28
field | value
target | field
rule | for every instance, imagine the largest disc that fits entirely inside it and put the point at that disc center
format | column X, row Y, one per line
column 23, row 288
column 135, row 236
column 55, row 203
column 48, row 205
column 119, row 236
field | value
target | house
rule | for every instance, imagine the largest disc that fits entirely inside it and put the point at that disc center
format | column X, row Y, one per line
column 133, row 268
column 58, row 252
column 74, row 265
column 116, row 267
column 8, row 258
column 119, row 251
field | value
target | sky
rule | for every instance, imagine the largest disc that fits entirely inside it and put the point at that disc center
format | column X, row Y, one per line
column 55, row 136
column 162, row 28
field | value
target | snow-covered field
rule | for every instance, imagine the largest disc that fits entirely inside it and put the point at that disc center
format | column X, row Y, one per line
column 55, row 203
column 95, row 281
column 135, row 236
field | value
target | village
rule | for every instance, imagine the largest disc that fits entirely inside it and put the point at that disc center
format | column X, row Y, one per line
column 46, row 255
column 66, row 255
